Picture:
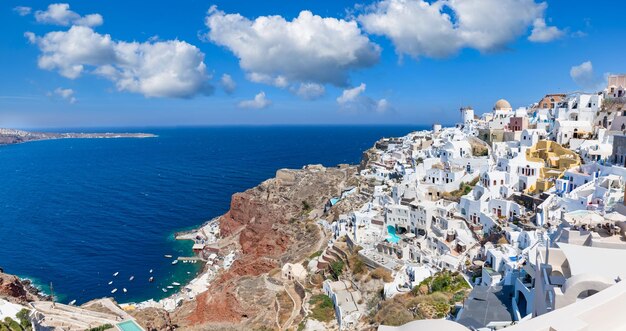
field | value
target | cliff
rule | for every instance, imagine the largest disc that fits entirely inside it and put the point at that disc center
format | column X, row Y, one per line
column 268, row 225
column 16, row 290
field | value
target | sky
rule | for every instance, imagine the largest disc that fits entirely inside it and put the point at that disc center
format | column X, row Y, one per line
column 110, row 63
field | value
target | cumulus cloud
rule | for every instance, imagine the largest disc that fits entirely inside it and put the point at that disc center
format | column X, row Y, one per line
column 22, row 10
column 60, row 14
column 66, row 94
column 352, row 99
column 542, row 33
column 307, row 49
column 310, row 91
column 584, row 76
column 170, row 68
column 228, row 84
column 420, row 28
column 259, row 102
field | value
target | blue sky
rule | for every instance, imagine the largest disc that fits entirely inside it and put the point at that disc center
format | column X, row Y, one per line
column 415, row 65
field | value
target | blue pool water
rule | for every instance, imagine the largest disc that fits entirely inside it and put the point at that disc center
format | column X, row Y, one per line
column 393, row 237
column 76, row 211
column 129, row 326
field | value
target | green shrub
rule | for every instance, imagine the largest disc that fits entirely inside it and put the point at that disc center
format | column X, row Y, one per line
column 336, row 268
column 322, row 309
column 101, row 327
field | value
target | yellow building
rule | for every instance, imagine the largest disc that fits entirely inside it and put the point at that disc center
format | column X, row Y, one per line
column 556, row 159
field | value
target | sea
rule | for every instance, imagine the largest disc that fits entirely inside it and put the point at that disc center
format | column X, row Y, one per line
column 75, row 211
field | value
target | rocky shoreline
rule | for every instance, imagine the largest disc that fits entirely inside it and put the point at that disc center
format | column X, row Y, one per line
column 267, row 226
column 19, row 290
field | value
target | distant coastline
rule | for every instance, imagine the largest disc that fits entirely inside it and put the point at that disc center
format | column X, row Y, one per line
column 12, row 136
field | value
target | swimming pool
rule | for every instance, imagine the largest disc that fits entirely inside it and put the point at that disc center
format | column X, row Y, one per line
column 393, row 237
column 129, row 326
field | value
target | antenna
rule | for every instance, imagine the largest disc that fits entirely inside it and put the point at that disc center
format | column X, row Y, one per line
column 52, row 294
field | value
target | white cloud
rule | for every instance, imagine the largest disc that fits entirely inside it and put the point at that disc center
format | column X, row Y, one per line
column 170, row 68
column 60, row 14
column 228, row 84
column 22, row 10
column 66, row 94
column 354, row 100
column 349, row 95
column 310, row 91
column 419, row 28
column 259, row 102
column 415, row 27
column 584, row 76
column 307, row 49
column 542, row 33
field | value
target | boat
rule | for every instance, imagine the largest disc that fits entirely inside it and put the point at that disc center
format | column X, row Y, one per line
column 115, row 274
column 114, row 290
column 131, row 278
column 168, row 256
column 170, row 286
column 111, row 282
column 124, row 289
column 150, row 270
column 188, row 272
column 164, row 289
column 151, row 279
column 175, row 261
column 176, row 284
column 72, row 302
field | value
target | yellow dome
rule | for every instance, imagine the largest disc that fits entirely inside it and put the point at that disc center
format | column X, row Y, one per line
column 502, row 104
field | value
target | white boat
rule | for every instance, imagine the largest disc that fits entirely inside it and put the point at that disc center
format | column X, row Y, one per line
column 114, row 290
column 124, row 289
column 164, row 289
column 170, row 286
column 168, row 256
column 131, row 278
column 72, row 302
column 115, row 274
column 188, row 272
column 111, row 282
column 175, row 261
column 151, row 279
column 150, row 270
column 176, row 284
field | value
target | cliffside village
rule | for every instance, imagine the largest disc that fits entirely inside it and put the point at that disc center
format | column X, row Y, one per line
column 527, row 204
column 520, row 211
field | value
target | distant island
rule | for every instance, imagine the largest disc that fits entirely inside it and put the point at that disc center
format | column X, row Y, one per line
column 12, row 136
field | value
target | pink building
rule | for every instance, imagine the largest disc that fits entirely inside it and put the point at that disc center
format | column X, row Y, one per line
column 518, row 123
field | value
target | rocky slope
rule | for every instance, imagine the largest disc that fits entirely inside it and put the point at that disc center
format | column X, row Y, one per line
column 268, row 225
column 16, row 290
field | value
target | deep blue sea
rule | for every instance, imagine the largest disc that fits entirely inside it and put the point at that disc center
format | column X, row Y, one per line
column 75, row 211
